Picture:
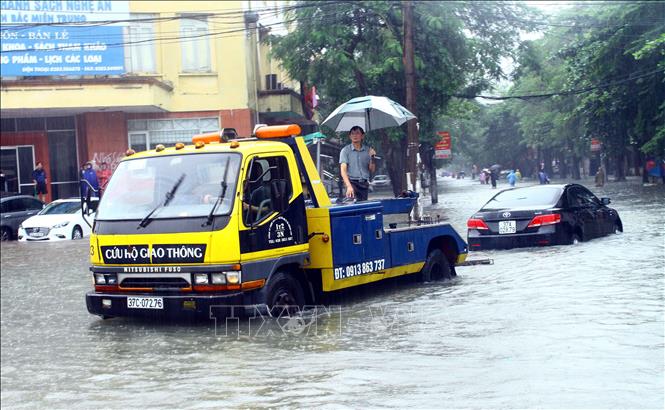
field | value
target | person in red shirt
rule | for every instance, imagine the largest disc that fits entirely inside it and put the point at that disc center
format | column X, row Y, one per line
column 104, row 174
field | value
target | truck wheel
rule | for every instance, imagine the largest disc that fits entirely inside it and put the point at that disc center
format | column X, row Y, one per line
column 436, row 267
column 284, row 295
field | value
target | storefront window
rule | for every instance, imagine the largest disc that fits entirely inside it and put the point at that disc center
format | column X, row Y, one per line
column 146, row 134
column 63, row 164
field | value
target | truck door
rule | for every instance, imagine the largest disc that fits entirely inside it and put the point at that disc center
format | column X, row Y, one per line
column 264, row 226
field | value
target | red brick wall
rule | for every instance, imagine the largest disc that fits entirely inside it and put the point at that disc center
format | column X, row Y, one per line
column 40, row 142
column 242, row 120
column 104, row 137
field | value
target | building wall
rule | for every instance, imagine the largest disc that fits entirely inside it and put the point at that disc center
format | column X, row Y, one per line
column 226, row 87
column 105, row 136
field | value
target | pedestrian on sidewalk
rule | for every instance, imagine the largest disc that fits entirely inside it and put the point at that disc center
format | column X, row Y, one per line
column 542, row 177
column 89, row 175
column 600, row 176
column 512, row 178
column 39, row 179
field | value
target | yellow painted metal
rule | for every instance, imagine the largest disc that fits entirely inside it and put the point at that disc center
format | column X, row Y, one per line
column 317, row 185
column 330, row 284
column 318, row 220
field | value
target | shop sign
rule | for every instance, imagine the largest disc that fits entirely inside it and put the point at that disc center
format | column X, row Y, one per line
column 60, row 50
column 443, row 148
column 65, row 11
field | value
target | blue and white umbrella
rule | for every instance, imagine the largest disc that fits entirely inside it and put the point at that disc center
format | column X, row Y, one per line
column 369, row 112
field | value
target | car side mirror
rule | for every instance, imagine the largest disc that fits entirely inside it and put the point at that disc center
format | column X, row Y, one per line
column 278, row 198
column 605, row 201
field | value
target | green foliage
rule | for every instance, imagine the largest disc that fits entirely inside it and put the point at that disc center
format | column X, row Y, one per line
column 613, row 54
column 349, row 49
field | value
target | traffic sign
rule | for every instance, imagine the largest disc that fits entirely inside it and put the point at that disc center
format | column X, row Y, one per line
column 443, row 148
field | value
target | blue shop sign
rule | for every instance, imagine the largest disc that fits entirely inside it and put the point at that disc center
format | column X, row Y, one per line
column 44, row 50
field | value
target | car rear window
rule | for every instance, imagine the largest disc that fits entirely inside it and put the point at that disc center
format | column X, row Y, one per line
column 524, row 198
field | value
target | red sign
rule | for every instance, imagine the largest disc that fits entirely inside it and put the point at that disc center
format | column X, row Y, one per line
column 595, row 144
column 443, row 148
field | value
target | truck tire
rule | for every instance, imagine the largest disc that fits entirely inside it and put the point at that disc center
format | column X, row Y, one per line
column 436, row 267
column 284, row 295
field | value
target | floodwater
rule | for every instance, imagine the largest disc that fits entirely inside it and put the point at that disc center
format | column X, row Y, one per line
column 556, row 327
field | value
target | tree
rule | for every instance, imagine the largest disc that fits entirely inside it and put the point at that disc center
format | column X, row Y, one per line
column 355, row 48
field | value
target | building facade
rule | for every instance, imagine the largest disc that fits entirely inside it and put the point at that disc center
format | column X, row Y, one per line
column 84, row 81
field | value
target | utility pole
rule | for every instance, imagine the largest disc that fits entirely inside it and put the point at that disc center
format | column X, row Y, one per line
column 413, row 181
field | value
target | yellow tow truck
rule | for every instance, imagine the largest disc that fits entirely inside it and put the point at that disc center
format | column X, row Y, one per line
column 186, row 230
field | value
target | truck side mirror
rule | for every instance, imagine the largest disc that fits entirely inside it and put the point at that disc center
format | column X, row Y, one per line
column 605, row 201
column 278, row 198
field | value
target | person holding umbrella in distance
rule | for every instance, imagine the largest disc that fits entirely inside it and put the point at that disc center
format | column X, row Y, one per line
column 356, row 164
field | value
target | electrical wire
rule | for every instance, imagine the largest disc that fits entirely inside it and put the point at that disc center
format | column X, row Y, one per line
column 560, row 93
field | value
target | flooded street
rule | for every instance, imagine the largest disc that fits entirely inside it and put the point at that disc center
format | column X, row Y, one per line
column 556, row 327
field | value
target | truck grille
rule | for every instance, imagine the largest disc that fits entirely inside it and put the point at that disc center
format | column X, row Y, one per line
column 155, row 283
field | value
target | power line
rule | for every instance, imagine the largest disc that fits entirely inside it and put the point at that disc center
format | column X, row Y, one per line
column 326, row 18
column 559, row 93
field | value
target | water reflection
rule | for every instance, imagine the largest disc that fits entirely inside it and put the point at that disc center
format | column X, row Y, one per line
column 564, row 326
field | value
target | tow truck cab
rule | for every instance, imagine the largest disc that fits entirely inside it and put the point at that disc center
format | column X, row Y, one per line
column 190, row 229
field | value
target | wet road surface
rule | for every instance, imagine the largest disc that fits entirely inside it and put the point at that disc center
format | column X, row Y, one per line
column 555, row 327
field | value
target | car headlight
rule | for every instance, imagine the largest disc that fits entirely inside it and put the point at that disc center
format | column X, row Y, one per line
column 200, row 278
column 60, row 225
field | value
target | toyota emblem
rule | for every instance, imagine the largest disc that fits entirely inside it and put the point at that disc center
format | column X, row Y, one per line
column 506, row 214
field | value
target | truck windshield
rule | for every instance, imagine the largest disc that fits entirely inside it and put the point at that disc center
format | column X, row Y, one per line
column 140, row 185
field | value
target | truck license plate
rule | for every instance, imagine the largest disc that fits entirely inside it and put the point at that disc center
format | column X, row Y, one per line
column 507, row 227
column 135, row 302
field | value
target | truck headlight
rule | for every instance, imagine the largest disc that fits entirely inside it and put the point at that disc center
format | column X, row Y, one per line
column 233, row 277
column 100, row 279
column 200, row 278
column 218, row 278
column 60, row 225
column 112, row 279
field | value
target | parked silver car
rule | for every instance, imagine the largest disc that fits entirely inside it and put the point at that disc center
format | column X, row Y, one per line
column 380, row 181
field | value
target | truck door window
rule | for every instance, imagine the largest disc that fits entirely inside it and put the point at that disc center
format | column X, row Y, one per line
column 262, row 177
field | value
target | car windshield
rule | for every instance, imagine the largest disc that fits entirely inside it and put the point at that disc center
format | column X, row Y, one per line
column 140, row 185
column 56, row 208
column 536, row 197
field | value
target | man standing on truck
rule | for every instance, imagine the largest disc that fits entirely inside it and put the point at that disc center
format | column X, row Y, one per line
column 356, row 163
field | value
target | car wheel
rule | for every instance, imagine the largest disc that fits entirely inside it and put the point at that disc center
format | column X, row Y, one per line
column 284, row 295
column 436, row 267
column 77, row 233
column 6, row 234
column 575, row 238
column 616, row 229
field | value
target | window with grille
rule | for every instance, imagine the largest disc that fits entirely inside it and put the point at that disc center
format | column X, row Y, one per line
column 146, row 134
